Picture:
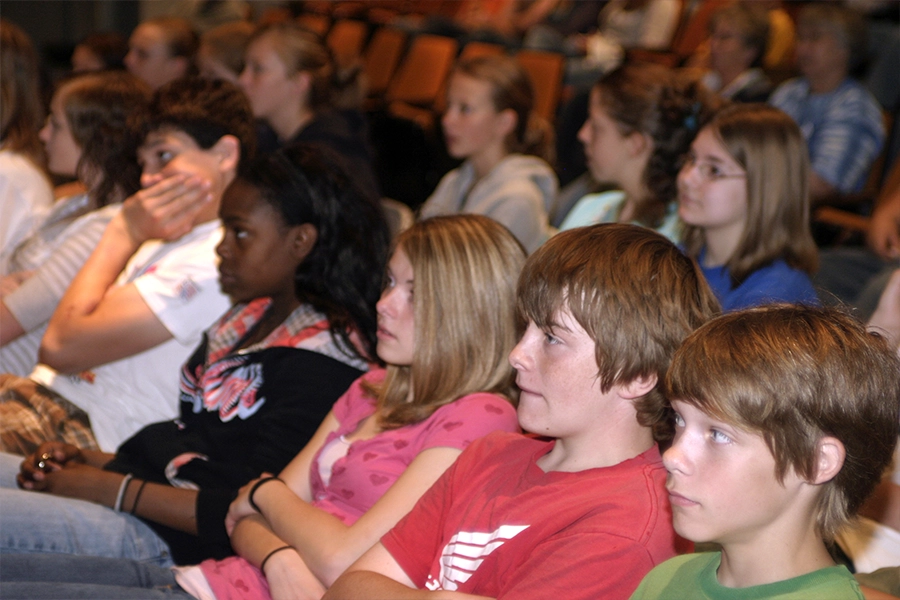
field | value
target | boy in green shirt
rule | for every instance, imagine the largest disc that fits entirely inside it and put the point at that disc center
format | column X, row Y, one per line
column 785, row 419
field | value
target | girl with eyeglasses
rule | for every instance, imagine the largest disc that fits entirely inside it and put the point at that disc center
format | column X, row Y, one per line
column 743, row 196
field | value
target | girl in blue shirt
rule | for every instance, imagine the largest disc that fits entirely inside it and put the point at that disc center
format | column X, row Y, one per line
column 743, row 196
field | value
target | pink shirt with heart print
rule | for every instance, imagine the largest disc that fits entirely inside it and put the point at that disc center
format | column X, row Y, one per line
column 371, row 466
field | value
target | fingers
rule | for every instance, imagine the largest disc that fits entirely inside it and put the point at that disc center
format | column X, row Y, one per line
column 167, row 209
column 49, row 457
column 883, row 236
column 885, row 244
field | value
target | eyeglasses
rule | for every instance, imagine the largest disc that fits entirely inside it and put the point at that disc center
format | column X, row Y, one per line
column 708, row 171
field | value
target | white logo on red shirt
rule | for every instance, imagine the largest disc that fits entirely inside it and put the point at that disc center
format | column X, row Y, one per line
column 465, row 552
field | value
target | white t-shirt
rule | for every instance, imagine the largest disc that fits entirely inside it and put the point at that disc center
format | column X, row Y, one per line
column 179, row 282
column 32, row 303
column 25, row 199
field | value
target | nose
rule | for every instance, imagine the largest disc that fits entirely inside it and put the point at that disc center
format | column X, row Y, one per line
column 520, row 357
column 688, row 175
column 385, row 304
column 675, row 459
column 584, row 134
column 44, row 133
column 222, row 247
column 446, row 120
column 149, row 177
column 244, row 78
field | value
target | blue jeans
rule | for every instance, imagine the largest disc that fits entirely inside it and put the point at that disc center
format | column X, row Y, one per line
column 62, row 576
column 34, row 522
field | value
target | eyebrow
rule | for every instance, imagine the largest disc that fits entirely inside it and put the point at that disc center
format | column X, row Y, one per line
column 558, row 326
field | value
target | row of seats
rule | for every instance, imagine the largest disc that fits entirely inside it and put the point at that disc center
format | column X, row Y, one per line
column 408, row 76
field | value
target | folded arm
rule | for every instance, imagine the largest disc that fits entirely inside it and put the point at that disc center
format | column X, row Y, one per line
column 286, row 573
column 97, row 322
column 10, row 328
column 377, row 575
column 327, row 545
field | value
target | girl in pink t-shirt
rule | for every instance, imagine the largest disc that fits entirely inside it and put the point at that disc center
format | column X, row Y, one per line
column 395, row 431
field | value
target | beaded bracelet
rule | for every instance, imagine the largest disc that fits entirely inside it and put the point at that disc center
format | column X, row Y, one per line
column 262, row 565
column 121, row 494
column 256, row 487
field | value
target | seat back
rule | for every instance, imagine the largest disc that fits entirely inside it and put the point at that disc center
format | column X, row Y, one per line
column 345, row 40
column 318, row 24
column 421, row 77
column 382, row 57
column 546, row 72
column 473, row 49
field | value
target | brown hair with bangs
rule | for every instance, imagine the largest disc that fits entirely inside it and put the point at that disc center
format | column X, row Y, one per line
column 768, row 145
column 634, row 293
column 794, row 374
column 465, row 269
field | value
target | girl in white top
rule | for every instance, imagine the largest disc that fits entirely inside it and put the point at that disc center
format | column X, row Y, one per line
column 88, row 134
column 25, row 193
column 489, row 123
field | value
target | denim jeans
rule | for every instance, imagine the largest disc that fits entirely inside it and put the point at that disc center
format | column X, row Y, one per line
column 34, row 522
column 64, row 576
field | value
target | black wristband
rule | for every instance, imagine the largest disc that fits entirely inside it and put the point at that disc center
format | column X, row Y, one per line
column 262, row 565
column 137, row 497
column 256, row 487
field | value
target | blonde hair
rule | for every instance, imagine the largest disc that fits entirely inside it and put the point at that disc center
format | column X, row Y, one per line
column 511, row 89
column 303, row 51
column 465, row 269
column 794, row 374
column 768, row 145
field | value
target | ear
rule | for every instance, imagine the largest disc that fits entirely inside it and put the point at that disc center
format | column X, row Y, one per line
column 507, row 120
column 228, row 152
column 180, row 66
column 830, row 454
column 304, row 239
column 302, row 81
column 639, row 143
column 638, row 387
column 748, row 55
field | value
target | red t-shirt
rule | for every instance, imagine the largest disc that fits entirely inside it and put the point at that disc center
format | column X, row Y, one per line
column 495, row 524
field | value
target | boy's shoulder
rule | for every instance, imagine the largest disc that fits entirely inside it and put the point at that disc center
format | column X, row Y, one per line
column 694, row 576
